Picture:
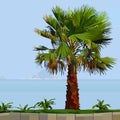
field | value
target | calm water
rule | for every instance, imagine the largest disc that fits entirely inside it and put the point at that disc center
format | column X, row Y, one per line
column 30, row 91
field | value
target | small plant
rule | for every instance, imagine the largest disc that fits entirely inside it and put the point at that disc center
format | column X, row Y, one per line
column 25, row 108
column 5, row 106
column 46, row 104
column 101, row 106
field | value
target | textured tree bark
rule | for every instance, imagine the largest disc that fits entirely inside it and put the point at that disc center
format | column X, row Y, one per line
column 72, row 95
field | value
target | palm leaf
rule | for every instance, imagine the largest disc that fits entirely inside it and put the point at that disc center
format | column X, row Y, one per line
column 51, row 22
column 41, row 48
column 46, row 34
column 109, row 62
column 63, row 51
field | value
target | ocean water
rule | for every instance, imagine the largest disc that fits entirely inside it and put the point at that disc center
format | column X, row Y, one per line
column 30, row 91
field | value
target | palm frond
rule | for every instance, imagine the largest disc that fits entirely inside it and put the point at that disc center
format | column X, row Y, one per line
column 52, row 22
column 40, row 48
column 51, row 62
column 59, row 14
column 109, row 62
column 55, row 66
column 63, row 51
column 46, row 34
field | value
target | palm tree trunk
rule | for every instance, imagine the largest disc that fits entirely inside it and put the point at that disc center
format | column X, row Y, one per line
column 72, row 95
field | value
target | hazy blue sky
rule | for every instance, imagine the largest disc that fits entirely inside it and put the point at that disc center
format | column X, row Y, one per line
column 19, row 18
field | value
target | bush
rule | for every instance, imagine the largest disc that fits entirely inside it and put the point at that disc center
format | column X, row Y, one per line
column 101, row 106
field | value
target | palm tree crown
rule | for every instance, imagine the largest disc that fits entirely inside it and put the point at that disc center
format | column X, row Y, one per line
column 77, row 37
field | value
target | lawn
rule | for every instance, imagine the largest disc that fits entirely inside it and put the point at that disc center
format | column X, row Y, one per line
column 63, row 111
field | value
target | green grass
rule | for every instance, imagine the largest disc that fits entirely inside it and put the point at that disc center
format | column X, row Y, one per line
column 63, row 111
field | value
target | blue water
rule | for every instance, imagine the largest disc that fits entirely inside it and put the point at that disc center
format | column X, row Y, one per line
column 30, row 91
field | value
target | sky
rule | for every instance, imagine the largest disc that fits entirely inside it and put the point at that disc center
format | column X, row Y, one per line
column 18, row 19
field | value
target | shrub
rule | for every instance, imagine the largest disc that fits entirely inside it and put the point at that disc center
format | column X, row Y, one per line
column 5, row 106
column 101, row 106
column 25, row 108
column 46, row 104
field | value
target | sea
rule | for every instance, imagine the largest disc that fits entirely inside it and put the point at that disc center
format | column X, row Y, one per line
column 31, row 91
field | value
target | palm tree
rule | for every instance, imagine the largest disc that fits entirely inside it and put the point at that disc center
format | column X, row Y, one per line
column 77, row 38
column 25, row 108
column 101, row 105
column 46, row 104
column 5, row 106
